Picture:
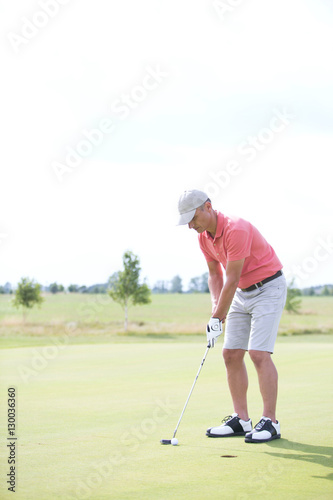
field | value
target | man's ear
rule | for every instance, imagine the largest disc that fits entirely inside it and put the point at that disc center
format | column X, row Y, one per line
column 208, row 206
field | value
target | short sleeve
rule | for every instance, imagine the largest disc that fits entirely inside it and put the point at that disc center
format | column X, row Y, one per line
column 208, row 256
column 239, row 243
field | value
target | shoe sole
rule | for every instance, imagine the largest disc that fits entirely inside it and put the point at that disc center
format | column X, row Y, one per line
column 225, row 435
column 248, row 440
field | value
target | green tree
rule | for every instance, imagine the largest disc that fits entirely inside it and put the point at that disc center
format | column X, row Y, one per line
column 293, row 301
column 199, row 284
column 176, row 285
column 204, row 283
column 194, row 285
column 55, row 288
column 124, row 286
column 161, row 287
column 28, row 294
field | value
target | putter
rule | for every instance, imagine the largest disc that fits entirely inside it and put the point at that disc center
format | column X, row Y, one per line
column 168, row 441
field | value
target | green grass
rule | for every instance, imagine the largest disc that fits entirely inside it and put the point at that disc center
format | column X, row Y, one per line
column 81, row 318
column 99, row 308
column 93, row 403
column 90, row 418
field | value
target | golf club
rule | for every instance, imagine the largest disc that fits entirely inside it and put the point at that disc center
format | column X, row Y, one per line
column 169, row 441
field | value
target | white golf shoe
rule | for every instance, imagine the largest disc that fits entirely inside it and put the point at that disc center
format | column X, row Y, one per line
column 265, row 430
column 232, row 425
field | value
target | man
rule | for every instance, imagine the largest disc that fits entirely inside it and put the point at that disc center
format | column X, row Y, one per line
column 252, row 299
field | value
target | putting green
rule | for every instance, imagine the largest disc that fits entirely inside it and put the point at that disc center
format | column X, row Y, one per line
column 90, row 419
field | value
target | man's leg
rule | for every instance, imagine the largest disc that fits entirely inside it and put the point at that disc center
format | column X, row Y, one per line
column 268, row 381
column 267, row 306
column 237, row 380
column 240, row 424
column 236, row 339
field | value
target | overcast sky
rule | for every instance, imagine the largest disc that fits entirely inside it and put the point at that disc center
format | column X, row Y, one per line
column 109, row 110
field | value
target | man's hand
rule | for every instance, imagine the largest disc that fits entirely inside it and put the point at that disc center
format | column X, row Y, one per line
column 214, row 330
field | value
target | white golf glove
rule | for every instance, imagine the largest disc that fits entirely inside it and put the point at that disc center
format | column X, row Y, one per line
column 214, row 330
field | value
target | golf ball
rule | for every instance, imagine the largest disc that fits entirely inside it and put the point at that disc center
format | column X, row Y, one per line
column 174, row 441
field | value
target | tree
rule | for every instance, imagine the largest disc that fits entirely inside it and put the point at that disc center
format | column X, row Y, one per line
column 293, row 301
column 28, row 294
column 124, row 286
column 326, row 291
column 161, row 287
column 55, row 288
column 204, row 283
column 194, row 285
column 199, row 284
column 73, row 288
column 176, row 285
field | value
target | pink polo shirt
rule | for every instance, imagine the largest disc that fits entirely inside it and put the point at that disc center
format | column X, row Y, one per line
column 237, row 239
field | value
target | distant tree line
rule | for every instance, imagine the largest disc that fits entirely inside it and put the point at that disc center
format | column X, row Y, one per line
column 198, row 284
column 56, row 288
column 125, row 288
column 318, row 290
column 7, row 288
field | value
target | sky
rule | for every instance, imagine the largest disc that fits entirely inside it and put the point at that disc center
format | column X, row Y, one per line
column 110, row 110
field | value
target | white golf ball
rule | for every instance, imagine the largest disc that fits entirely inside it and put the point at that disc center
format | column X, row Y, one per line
column 174, row 441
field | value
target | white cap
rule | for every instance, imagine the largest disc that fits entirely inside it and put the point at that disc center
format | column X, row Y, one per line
column 188, row 203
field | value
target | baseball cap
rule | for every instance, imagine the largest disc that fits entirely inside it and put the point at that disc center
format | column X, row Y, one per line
column 188, row 202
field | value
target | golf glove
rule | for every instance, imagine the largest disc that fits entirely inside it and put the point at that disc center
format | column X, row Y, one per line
column 214, row 330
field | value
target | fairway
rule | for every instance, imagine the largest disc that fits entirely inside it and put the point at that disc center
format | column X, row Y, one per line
column 90, row 418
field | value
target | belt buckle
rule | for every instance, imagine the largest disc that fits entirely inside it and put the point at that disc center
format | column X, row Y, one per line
column 258, row 285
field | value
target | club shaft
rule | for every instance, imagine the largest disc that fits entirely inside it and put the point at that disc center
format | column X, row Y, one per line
column 195, row 380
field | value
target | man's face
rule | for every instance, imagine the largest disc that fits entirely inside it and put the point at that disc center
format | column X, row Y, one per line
column 201, row 219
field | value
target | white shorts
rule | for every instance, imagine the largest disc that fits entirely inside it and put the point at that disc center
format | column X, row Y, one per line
column 253, row 318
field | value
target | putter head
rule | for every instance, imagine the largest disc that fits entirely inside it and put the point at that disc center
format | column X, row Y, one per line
column 165, row 441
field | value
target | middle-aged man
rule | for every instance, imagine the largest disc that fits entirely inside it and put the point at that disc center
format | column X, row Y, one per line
column 252, row 299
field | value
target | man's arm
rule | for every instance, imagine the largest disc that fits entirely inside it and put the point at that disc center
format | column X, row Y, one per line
column 215, row 282
column 233, row 274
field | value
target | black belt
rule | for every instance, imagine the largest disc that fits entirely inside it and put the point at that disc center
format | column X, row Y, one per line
column 261, row 283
